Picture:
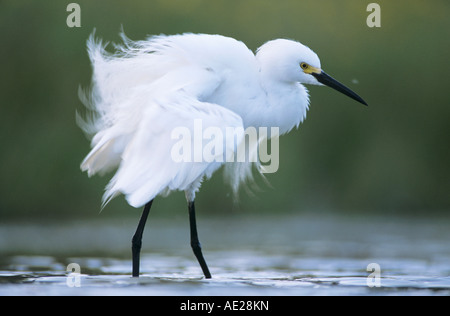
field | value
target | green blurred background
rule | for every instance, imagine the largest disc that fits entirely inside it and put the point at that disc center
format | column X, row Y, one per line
column 390, row 158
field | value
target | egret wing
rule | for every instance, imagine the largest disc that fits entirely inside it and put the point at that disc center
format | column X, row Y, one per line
column 140, row 96
column 151, row 163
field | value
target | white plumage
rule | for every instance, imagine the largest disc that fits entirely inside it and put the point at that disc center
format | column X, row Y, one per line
column 147, row 88
column 189, row 84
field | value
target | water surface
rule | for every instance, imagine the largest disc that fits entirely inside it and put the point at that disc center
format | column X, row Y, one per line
column 291, row 255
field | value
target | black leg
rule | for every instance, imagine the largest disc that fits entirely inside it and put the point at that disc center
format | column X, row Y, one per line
column 136, row 242
column 195, row 243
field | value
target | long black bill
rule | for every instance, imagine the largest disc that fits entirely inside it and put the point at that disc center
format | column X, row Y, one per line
column 329, row 81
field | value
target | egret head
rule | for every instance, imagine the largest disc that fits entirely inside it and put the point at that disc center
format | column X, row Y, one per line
column 290, row 61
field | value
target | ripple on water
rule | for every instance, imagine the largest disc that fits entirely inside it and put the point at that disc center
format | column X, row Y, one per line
column 300, row 256
column 234, row 273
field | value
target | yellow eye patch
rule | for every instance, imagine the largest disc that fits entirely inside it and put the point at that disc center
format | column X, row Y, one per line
column 308, row 69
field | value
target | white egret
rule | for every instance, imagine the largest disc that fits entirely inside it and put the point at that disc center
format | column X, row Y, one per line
column 146, row 89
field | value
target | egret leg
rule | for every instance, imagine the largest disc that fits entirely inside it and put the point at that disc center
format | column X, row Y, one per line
column 136, row 242
column 195, row 243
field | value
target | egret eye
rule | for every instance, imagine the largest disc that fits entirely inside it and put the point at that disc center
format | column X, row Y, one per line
column 304, row 65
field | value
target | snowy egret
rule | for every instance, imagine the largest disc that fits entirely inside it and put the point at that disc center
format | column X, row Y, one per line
column 146, row 89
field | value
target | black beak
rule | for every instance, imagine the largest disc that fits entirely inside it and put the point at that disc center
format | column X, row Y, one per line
column 329, row 81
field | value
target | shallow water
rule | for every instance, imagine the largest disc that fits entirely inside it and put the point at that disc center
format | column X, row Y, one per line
column 301, row 255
